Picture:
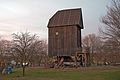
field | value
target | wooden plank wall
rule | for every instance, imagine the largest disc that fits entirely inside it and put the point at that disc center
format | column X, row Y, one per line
column 65, row 43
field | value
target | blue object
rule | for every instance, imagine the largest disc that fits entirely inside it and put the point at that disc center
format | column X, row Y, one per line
column 9, row 69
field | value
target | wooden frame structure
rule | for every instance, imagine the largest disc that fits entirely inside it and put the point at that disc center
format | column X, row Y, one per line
column 64, row 33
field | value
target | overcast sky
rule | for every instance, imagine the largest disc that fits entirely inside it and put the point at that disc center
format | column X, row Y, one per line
column 33, row 15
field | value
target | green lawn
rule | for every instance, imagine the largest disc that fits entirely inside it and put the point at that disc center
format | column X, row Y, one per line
column 90, row 73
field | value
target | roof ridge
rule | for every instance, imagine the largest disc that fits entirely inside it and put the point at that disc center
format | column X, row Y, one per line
column 69, row 9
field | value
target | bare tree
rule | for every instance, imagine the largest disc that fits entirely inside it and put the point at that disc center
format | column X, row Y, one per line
column 91, row 45
column 5, row 56
column 111, row 51
column 112, row 22
column 111, row 32
column 38, row 52
column 22, row 43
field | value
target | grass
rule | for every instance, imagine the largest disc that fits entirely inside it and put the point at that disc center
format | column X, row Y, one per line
column 90, row 73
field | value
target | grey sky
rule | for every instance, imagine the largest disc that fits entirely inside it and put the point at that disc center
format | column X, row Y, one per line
column 33, row 15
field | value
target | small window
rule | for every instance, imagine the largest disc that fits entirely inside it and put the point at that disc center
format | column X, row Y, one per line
column 56, row 33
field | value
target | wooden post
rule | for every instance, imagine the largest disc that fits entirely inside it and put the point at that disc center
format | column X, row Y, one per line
column 76, row 59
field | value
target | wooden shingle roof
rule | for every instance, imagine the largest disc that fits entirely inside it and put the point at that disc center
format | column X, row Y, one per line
column 67, row 17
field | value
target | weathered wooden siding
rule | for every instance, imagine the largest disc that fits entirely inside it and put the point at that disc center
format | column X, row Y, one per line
column 65, row 43
column 67, row 24
column 79, row 37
